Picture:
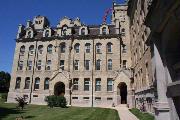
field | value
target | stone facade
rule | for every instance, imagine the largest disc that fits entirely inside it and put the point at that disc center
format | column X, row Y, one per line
column 95, row 59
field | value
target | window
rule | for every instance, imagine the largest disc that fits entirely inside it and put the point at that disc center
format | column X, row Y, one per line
column 123, row 32
column 46, row 84
column 110, row 64
column 104, row 31
column 87, row 64
column 29, row 34
column 147, row 75
column 77, row 47
column 124, row 49
column 109, row 84
column 39, row 63
column 98, row 84
column 75, row 98
column 86, row 84
column 36, row 84
column 98, row 65
column 40, row 49
column 18, row 82
column 83, row 31
column 27, row 83
column 22, row 50
column 75, row 84
column 62, row 64
column 109, row 98
column 29, row 65
column 109, row 47
column 64, row 30
column 98, row 48
column 48, row 67
column 76, row 65
column 31, row 49
column 47, row 33
column 124, row 63
column 97, row 98
column 49, row 49
column 86, row 98
column 20, row 65
column 87, row 47
column 62, row 47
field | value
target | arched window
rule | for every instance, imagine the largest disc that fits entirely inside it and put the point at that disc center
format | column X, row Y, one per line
column 83, row 31
column 123, row 32
column 48, row 65
column 124, row 50
column 77, row 47
column 46, row 84
column 109, row 47
column 20, row 65
column 29, row 34
column 36, row 83
column 49, row 49
column 98, row 48
column 27, row 83
column 40, row 49
column 47, row 33
column 87, row 47
column 104, row 31
column 64, row 30
column 98, row 64
column 110, row 64
column 22, row 50
column 62, row 47
column 31, row 50
column 18, row 82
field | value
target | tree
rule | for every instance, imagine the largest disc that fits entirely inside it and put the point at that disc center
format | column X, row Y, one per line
column 5, row 78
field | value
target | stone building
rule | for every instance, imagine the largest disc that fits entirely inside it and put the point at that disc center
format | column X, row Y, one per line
column 88, row 64
column 154, row 26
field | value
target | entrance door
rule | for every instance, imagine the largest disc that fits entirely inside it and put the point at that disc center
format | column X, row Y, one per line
column 59, row 89
column 123, row 92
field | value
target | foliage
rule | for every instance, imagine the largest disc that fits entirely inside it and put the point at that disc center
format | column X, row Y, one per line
column 3, row 96
column 141, row 115
column 56, row 101
column 4, row 81
column 21, row 102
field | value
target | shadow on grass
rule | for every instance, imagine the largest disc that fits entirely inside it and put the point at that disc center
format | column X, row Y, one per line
column 4, row 112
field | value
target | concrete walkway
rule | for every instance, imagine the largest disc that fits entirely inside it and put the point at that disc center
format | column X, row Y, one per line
column 124, row 113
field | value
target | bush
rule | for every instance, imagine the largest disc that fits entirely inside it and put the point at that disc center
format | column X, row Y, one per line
column 141, row 115
column 3, row 96
column 21, row 102
column 56, row 101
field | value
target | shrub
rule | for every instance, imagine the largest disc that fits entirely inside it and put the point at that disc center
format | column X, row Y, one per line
column 4, row 96
column 56, row 101
column 21, row 102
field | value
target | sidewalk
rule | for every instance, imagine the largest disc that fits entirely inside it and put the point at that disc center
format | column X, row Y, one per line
column 125, row 114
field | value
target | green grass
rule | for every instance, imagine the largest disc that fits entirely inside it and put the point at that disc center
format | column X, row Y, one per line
column 36, row 112
column 141, row 115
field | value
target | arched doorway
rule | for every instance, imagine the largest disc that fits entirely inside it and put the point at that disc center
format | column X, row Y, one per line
column 123, row 92
column 59, row 89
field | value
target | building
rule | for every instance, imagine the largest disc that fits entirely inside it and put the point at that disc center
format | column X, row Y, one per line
column 88, row 64
column 154, row 29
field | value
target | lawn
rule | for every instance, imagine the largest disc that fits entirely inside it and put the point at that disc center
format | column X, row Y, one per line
column 36, row 112
column 141, row 115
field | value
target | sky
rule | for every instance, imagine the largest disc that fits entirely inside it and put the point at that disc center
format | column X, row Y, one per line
column 15, row 12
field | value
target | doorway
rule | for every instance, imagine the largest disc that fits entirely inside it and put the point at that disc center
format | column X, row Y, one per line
column 59, row 89
column 123, row 92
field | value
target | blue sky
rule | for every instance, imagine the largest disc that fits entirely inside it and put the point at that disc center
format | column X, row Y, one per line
column 14, row 12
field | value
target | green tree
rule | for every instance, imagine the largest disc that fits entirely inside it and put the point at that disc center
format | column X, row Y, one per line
column 4, row 81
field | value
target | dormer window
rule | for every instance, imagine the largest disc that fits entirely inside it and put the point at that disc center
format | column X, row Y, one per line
column 29, row 34
column 47, row 33
column 83, row 31
column 104, row 31
column 64, row 30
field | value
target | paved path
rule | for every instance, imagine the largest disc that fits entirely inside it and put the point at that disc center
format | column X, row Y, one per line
column 125, row 114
